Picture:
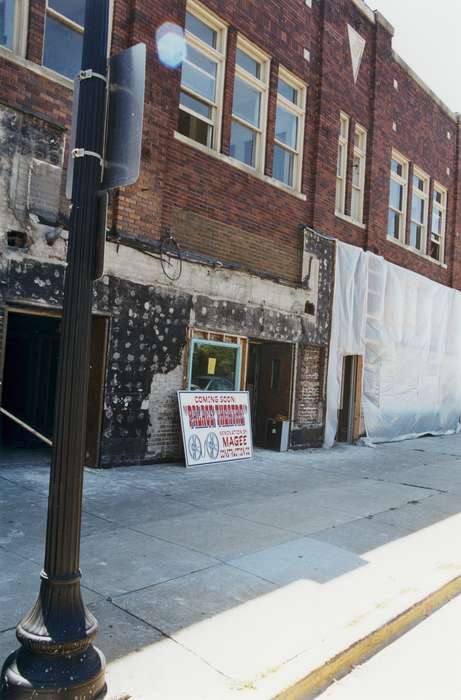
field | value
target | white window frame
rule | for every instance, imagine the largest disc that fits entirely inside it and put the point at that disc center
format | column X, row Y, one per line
column 341, row 165
column 262, row 85
column 361, row 154
column 424, row 195
column 218, row 55
column 442, row 208
column 21, row 25
column 403, row 181
column 299, row 111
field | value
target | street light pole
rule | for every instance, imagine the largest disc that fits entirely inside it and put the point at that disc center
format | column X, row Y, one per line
column 56, row 658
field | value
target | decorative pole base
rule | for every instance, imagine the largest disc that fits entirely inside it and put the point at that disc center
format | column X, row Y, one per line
column 27, row 675
column 56, row 658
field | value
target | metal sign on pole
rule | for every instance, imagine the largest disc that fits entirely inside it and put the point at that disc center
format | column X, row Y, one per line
column 125, row 113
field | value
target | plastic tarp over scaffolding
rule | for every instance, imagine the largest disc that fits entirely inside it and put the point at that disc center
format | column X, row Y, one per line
column 408, row 330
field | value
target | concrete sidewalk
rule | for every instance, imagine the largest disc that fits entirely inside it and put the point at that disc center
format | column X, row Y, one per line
column 238, row 580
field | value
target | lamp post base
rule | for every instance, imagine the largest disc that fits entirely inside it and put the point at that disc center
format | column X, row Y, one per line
column 27, row 675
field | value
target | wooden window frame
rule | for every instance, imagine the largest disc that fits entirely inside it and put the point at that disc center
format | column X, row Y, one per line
column 21, row 24
column 299, row 110
column 217, row 55
column 443, row 208
column 403, row 181
column 262, row 86
column 361, row 154
column 423, row 195
column 341, row 165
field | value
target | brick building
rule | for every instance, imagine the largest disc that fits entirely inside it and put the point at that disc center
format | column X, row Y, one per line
column 291, row 124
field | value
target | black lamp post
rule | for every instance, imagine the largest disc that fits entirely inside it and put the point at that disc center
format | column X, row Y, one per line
column 56, row 658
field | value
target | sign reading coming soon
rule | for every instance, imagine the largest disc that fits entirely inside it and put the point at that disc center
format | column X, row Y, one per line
column 216, row 426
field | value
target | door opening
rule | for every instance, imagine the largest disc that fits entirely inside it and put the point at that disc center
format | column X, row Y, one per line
column 269, row 381
column 349, row 415
column 30, row 375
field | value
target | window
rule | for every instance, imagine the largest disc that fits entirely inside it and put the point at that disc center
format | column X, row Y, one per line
column 214, row 366
column 419, row 206
column 249, row 106
column 341, row 168
column 63, row 42
column 13, row 25
column 202, row 78
column 439, row 217
column 289, row 131
column 396, row 225
column 358, row 174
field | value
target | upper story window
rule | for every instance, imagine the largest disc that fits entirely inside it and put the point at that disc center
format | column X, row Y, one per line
column 13, row 25
column 249, row 107
column 439, row 218
column 63, row 41
column 289, row 130
column 398, row 198
column 341, row 167
column 200, row 108
column 358, row 173
column 419, row 211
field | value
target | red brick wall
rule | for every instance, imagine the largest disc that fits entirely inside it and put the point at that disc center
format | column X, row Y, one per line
column 176, row 176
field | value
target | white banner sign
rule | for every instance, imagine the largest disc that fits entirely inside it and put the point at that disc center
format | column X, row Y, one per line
column 216, row 426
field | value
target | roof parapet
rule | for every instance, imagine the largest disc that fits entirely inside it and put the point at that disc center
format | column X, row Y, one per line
column 420, row 82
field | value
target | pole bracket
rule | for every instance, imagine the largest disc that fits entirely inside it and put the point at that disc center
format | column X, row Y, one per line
column 82, row 152
column 90, row 73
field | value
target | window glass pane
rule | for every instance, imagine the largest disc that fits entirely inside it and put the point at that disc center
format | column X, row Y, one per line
column 435, row 250
column 283, row 166
column 7, row 8
column 355, row 205
column 197, row 105
column 248, row 63
column 418, row 183
column 437, row 221
column 201, row 30
column 397, row 168
column 62, row 48
column 438, row 197
column 247, row 102
column 359, row 140
column 339, row 168
column 356, row 171
column 396, row 196
column 415, row 236
column 199, row 74
column 344, row 128
column 243, row 144
column 287, row 91
column 286, row 127
column 393, row 226
column 195, row 128
column 417, row 209
column 214, row 368
column 72, row 9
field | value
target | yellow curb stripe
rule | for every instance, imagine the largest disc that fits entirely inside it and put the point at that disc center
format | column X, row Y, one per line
column 343, row 663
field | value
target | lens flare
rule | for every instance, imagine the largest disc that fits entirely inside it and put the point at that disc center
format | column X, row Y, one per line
column 171, row 44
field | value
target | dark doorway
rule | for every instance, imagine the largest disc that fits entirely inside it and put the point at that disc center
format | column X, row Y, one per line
column 349, row 417
column 29, row 379
column 269, row 380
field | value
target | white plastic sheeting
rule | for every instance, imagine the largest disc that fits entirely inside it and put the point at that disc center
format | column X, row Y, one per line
column 408, row 329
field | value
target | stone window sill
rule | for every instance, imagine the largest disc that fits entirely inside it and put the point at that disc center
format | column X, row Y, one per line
column 36, row 68
column 240, row 166
column 350, row 220
column 416, row 252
